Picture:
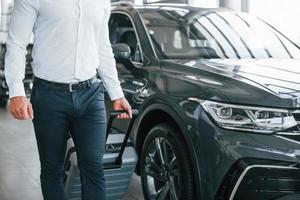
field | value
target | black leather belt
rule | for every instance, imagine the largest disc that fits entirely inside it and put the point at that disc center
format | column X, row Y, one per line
column 71, row 87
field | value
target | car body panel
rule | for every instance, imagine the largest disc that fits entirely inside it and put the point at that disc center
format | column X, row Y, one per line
column 162, row 104
column 219, row 149
column 249, row 82
column 170, row 83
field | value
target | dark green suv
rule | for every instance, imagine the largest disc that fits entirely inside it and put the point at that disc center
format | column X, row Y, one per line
column 219, row 99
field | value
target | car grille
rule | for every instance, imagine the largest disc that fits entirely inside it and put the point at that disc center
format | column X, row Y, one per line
column 268, row 183
column 260, row 180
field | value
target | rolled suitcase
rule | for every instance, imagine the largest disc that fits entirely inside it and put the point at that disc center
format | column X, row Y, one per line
column 119, row 159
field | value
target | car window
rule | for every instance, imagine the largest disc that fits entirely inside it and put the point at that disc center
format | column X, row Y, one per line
column 122, row 31
column 215, row 34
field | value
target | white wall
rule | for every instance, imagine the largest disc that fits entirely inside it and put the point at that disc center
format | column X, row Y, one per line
column 284, row 15
column 205, row 3
column 139, row 2
column 232, row 4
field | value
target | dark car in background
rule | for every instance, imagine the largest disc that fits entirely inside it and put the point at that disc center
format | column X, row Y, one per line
column 218, row 93
column 28, row 74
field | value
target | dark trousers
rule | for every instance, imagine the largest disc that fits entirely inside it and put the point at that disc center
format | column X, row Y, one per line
column 82, row 114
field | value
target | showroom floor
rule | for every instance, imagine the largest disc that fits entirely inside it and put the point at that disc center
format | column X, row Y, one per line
column 19, row 164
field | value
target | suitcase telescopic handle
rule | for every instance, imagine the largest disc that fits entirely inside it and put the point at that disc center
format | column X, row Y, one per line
column 113, row 115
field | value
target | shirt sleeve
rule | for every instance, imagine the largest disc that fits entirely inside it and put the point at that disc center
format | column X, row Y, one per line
column 107, row 69
column 21, row 27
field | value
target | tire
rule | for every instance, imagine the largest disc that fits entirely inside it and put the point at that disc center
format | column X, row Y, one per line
column 172, row 180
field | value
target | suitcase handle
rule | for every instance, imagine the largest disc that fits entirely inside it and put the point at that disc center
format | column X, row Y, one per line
column 113, row 115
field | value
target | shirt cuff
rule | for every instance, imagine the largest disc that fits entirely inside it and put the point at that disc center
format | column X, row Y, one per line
column 16, row 89
column 115, row 93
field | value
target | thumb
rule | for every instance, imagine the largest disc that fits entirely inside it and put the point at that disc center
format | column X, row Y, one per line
column 129, row 110
column 30, row 110
column 127, row 107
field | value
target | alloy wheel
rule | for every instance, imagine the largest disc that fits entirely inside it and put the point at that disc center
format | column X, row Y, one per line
column 161, row 171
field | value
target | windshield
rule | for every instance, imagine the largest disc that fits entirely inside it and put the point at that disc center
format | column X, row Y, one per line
column 181, row 33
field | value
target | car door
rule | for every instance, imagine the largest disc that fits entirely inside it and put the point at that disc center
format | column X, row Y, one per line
column 122, row 30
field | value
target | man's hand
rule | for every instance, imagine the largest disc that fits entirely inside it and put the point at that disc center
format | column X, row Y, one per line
column 21, row 108
column 122, row 104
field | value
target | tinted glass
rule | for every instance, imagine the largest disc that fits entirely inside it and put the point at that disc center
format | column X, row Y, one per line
column 182, row 33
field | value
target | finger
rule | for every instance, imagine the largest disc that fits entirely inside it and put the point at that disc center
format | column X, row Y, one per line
column 127, row 107
column 14, row 114
column 130, row 112
column 24, row 113
column 30, row 110
column 18, row 114
column 122, row 115
column 126, row 116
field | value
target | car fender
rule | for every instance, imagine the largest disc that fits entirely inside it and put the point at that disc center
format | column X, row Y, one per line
column 154, row 104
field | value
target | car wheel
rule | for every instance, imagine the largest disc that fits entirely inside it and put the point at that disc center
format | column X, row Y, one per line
column 166, row 170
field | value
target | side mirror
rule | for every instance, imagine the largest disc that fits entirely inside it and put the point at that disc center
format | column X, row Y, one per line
column 121, row 51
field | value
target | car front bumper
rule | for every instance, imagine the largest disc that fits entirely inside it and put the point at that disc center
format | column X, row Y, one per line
column 239, row 165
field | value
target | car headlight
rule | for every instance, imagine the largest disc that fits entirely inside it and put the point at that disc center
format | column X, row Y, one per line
column 248, row 118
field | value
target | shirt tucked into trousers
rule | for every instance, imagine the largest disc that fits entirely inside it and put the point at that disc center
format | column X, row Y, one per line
column 71, row 44
column 82, row 114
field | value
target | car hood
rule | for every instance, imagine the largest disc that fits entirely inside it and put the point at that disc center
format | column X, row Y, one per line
column 261, row 82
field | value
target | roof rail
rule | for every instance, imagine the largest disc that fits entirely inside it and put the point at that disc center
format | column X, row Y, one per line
column 122, row 3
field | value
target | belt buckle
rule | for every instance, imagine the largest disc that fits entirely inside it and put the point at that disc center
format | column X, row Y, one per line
column 70, row 87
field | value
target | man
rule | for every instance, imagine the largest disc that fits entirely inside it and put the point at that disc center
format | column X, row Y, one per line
column 71, row 45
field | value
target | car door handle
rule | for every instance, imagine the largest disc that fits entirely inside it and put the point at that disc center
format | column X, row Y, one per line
column 138, row 83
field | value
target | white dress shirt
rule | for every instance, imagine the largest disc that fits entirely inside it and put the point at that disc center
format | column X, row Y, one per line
column 71, row 43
